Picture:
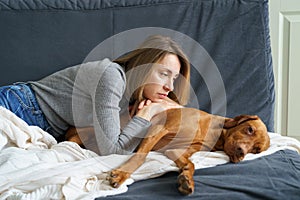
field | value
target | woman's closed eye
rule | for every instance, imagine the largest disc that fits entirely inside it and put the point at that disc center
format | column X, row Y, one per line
column 165, row 74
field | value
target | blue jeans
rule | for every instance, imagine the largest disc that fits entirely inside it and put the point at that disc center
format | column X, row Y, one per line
column 20, row 99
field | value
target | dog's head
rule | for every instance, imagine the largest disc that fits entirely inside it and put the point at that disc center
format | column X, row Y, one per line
column 244, row 134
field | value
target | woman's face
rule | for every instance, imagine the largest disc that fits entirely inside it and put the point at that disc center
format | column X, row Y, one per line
column 161, row 80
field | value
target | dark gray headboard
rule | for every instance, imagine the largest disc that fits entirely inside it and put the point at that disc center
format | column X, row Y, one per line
column 39, row 37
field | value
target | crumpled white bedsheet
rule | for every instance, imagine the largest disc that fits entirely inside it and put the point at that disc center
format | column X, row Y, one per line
column 34, row 166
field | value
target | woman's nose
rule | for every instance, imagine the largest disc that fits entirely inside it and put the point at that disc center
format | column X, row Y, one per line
column 168, row 86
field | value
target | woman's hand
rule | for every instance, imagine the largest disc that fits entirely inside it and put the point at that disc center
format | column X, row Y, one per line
column 147, row 109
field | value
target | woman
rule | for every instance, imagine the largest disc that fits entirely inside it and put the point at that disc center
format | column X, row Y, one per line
column 101, row 93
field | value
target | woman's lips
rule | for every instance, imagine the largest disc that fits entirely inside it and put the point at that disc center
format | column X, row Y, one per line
column 162, row 96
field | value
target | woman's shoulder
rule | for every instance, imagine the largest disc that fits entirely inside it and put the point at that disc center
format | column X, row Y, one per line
column 105, row 66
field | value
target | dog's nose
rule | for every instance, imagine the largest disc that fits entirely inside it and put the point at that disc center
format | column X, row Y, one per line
column 240, row 151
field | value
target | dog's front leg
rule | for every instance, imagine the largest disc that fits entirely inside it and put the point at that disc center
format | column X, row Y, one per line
column 186, row 167
column 118, row 176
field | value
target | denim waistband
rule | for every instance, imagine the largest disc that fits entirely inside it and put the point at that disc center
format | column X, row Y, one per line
column 29, row 93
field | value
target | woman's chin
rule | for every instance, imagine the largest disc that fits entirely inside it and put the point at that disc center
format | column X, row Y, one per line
column 156, row 100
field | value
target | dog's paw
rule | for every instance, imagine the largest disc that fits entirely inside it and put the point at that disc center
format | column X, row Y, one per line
column 186, row 184
column 117, row 177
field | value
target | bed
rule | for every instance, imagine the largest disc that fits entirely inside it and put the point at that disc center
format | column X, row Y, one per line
column 228, row 44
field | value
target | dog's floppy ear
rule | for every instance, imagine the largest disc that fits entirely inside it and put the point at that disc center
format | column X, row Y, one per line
column 232, row 122
column 229, row 123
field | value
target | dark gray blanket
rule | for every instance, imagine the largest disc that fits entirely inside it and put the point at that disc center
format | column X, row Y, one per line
column 276, row 176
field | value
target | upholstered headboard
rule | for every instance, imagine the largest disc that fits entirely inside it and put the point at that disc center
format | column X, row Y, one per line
column 231, row 56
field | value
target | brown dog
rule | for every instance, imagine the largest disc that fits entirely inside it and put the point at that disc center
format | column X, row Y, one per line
column 180, row 132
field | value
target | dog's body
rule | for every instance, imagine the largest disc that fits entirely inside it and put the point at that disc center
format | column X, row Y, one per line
column 180, row 132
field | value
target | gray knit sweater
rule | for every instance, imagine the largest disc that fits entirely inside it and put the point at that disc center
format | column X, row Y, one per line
column 91, row 94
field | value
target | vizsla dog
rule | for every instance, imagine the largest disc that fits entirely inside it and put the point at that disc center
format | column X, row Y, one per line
column 180, row 132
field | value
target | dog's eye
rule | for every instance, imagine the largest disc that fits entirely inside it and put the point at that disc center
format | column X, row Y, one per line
column 249, row 130
column 256, row 150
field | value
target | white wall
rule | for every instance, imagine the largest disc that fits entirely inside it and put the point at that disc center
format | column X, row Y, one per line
column 285, row 44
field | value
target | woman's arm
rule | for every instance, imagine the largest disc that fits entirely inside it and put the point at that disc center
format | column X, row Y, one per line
column 106, row 116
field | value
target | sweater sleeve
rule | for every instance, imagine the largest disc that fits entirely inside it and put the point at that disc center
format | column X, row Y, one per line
column 110, row 138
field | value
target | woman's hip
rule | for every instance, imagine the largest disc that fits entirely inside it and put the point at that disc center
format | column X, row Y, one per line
column 20, row 99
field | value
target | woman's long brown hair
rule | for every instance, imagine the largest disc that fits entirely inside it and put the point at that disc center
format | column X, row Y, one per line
column 138, row 64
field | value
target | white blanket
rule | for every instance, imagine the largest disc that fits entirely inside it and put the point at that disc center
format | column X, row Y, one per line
column 34, row 166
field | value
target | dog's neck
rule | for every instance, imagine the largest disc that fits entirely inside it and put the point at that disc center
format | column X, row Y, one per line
column 219, row 146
